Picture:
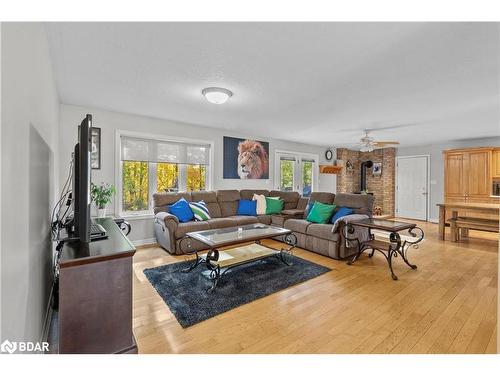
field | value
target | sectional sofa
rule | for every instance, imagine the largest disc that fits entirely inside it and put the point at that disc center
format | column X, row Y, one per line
column 223, row 205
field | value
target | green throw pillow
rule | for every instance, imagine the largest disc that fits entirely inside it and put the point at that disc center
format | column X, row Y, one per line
column 274, row 206
column 320, row 213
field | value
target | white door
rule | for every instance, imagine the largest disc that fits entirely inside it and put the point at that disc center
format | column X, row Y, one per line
column 411, row 187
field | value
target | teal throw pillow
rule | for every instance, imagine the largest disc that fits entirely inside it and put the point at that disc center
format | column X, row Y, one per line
column 320, row 213
column 274, row 206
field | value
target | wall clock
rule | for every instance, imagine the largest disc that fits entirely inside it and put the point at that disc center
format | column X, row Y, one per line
column 329, row 155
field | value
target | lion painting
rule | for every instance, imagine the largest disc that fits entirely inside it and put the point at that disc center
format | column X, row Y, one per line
column 253, row 161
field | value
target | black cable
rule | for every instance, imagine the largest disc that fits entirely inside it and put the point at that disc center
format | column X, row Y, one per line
column 55, row 221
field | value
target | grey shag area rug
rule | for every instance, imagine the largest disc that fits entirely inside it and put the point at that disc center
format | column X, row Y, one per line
column 186, row 293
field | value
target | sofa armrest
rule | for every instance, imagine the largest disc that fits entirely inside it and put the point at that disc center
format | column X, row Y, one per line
column 165, row 226
column 293, row 213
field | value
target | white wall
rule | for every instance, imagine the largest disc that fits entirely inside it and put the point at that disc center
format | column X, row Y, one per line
column 109, row 122
column 30, row 117
column 436, row 194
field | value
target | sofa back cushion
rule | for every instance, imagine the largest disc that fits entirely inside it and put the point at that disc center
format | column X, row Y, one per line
column 302, row 203
column 248, row 193
column 162, row 200
column 322, row 197
column 228, row 201
column 291, row 198
column 210, row 199
column 361, row 203
column 318, row 196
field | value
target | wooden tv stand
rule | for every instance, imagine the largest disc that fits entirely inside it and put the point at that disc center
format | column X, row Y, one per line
column 95, row 295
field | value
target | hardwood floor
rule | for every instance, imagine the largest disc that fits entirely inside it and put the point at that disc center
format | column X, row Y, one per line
column 448, row 305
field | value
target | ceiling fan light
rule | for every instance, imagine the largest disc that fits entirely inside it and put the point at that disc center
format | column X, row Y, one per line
column 216, row 95
column 366, row 148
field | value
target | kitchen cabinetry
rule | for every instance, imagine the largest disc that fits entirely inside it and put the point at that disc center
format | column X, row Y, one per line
column 468, row 176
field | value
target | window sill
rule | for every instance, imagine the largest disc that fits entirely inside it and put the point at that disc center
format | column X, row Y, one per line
column 131, row 217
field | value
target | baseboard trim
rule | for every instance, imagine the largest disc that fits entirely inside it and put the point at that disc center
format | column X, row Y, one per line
column 434, row 220
column 146, row 241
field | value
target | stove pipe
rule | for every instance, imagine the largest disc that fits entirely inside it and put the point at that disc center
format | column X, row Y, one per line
column 364, row 166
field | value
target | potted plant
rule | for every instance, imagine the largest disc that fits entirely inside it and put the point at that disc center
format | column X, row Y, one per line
column 102, row 195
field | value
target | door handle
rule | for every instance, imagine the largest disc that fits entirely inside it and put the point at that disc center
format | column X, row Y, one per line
column 425, row 193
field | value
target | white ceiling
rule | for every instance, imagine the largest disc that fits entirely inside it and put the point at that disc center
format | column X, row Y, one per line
column 318, row 83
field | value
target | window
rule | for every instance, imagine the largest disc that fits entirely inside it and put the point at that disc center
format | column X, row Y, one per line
column 297, row 172
column 135, row 186
column 167, row 177
column 307, row 177
column 149, row 166
column 287, row 166
column 196, row 177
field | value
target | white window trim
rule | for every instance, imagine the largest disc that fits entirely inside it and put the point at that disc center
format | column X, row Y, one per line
column 156, row 137
column 277, row 169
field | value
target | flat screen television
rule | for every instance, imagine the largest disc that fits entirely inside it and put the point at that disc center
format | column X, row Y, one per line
column 81, row 181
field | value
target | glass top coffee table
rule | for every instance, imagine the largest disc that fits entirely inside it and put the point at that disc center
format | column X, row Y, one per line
column 218, row 262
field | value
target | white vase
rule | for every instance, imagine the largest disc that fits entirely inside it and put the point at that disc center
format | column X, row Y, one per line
column 101, row 212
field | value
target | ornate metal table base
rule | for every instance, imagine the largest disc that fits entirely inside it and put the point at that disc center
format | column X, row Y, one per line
column 123, row 225
column 396, row 247
column 291, row 240
column 216, row 272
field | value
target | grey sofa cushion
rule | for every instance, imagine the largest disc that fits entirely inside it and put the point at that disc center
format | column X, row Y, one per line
column 297, row 225
column 302, row 203
column 244, row 220
column 278, row 220
column 293, row 212
column 362, row 203
column 264, row 219
column 228, row 202
column 248, row 193
column 190, row 226
column 291, row 198
column 323, row 231
column 221, row 222
column 322, row 197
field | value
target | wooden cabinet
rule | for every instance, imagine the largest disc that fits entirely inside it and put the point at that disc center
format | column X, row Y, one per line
column 495, row 163
column 468, row 175
column 95, row 296
column 477, row 168
column 454, row 176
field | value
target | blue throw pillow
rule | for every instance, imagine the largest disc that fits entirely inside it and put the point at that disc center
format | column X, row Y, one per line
column 342, row 211
column 247, row 207
column 182, row 210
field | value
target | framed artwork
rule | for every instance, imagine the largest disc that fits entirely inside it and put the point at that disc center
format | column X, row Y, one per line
column 377, row 169
column 245, row 159
column 95, row 155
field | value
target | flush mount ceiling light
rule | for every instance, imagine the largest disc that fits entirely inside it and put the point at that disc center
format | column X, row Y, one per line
column 216, row 95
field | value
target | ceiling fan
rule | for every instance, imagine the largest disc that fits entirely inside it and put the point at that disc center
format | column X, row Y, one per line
column 368, row 143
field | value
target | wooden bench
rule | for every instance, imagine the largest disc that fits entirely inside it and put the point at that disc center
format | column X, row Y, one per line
column 461, row 224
